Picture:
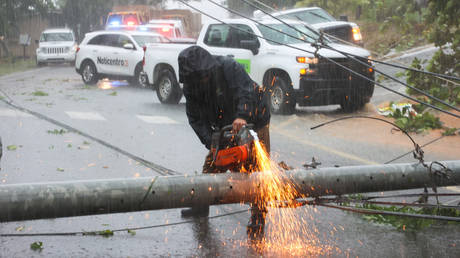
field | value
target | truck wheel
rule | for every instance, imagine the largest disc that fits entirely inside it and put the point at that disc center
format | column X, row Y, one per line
column 282, row 100
column 89, row 73
column 39, row 64
column 168, row 90
column 138, row 79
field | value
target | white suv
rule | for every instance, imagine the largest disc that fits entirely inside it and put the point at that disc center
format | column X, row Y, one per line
column 57, row 46
column 114, row 54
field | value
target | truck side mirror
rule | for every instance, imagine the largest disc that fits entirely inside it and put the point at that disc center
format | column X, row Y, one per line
column 343, row 18
column 252, row 45
column 128, row 46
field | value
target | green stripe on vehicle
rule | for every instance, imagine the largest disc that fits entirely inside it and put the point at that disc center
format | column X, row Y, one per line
column 246, row 63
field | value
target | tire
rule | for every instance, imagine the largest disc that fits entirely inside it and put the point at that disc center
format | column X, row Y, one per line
column 89, row 73
column 282, row 99
column 138, row 79
column 167, row 88
column 39, row 64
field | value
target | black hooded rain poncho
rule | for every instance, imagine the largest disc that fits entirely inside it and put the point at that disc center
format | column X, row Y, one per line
column 217, row 91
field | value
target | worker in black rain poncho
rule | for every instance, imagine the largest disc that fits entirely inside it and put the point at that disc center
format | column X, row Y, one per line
column 219, row 92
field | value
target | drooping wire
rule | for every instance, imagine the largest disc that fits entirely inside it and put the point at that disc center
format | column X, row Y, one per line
column 116, row 230
column 394, row 79
column 373, row 60
column 315, row 53
column 351, row 56
column 366, row 117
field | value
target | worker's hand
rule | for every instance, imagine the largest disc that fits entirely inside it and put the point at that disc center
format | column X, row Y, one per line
column 238, row 124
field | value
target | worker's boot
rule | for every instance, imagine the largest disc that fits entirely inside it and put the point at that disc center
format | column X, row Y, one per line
column 256, row 225
column 196, row 211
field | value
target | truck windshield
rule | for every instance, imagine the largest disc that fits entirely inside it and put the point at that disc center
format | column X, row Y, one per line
column 142, row 40
column 274, row 36
column 310, row 16
column 62, row 36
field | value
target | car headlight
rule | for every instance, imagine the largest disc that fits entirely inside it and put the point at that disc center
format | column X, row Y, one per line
column 357, row 37
column 307, row 60
column 42, row 50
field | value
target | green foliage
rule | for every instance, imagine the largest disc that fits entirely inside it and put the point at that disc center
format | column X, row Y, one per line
column 37, row 246
column 408, row 223
column 415, row 123
column 39, row 93
column 11, row 147
column 443, row 26
column 450, row 131
column 11, row 12
column 56, row 131
column 8, row 66
column 89, row 14
column 104, row 233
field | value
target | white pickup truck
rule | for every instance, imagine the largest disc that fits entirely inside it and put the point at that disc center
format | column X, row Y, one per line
column 293, row 76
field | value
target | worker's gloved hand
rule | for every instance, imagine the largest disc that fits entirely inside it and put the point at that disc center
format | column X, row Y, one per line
column 238, row 124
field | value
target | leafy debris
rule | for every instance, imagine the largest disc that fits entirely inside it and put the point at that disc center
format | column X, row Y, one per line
column 56, row 131
column 39, row 93
column 37, row 246
column 104, row 233
column 11, row 147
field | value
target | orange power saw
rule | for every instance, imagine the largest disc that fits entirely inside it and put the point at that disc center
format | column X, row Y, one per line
column 231, row 150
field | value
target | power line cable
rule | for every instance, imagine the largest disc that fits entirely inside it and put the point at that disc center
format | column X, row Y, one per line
column 351, row 56
column 103, row 232
column 373, row 60
column 315, row 53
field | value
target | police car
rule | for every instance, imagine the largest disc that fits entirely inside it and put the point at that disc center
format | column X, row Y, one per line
column 114, row 54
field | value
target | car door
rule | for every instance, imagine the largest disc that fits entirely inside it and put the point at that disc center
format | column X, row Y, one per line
column 107, row 54
column 128, row 57
column 225, row 40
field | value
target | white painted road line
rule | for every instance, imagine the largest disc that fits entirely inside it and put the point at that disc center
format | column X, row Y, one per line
column 13, row 113
column 157, row 119
column 85, row 115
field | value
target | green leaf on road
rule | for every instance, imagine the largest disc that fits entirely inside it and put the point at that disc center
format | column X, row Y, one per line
column 36, row 246
column 20, row 228
column 69, row 145
column 60, row 169
column 39, row 93
column 86, row 143
column 56, row 131
column 132, row 232
column 11, row 147
column 113, row 93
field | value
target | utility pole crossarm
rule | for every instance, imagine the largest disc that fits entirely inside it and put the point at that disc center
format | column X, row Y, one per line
column 89, row 197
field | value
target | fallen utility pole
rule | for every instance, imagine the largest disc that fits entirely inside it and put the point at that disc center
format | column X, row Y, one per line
column 89, row 197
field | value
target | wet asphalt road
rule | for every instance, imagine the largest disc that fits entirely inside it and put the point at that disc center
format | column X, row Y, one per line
column 133, row 120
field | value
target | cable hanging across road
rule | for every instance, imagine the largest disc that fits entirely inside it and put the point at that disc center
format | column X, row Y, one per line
column 450, row 77
column 314, row 53
column 350, row 56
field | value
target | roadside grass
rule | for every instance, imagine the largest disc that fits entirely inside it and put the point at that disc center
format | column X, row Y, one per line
column 8, row 66
column 382, row 42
